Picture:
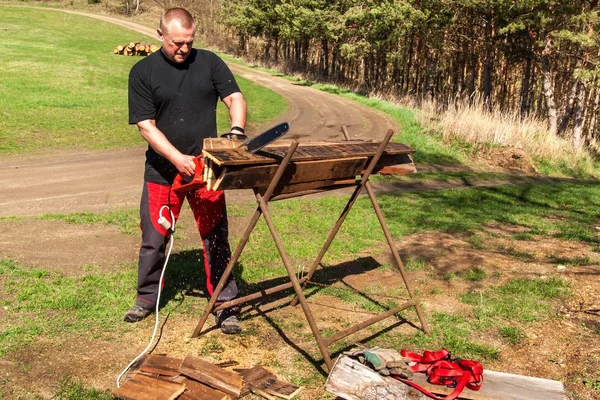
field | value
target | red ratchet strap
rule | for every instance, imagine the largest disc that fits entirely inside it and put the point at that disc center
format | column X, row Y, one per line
column 442, row 370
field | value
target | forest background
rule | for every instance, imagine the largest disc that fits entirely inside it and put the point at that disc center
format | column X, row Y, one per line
column 529, row 65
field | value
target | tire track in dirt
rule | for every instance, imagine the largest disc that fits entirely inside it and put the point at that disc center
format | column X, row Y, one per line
column 96, row 181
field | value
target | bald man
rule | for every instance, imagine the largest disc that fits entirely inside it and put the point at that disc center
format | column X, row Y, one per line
column 173, row 96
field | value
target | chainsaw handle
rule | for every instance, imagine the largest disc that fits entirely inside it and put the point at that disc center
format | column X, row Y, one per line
column 184, row 183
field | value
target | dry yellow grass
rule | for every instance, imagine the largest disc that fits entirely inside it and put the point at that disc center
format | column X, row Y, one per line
column 474, row 124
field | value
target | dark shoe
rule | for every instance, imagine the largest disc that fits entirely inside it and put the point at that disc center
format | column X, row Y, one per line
column 228, row 322
column 137, row 313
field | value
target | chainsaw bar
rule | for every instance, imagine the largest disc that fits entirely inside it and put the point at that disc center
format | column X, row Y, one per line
column 256, row 143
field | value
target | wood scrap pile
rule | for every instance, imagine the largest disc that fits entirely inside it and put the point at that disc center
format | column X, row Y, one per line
column 164, row 377
column 136, row 49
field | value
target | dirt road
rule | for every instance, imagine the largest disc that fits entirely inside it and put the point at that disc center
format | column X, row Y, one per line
column 103, row 180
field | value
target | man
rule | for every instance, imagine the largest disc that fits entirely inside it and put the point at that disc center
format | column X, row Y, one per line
column 172, row 100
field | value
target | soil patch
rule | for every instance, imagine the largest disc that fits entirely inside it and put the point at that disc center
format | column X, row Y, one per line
column 68, row 248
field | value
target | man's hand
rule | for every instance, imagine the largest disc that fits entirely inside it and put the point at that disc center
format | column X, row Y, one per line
column 184, row 164
column 234, row 136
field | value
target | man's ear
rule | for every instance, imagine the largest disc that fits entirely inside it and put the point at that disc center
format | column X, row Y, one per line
column 160, row 34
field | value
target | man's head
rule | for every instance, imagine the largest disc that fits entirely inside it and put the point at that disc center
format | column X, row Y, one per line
column 176, row 31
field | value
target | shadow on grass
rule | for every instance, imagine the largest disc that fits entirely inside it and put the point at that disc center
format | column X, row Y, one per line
column 186, row 275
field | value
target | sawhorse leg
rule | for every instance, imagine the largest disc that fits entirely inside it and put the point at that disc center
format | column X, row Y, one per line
column 366, row 184
column 243, row 241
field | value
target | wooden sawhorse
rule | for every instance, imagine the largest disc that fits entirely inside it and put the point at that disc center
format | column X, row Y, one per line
column 263, row 196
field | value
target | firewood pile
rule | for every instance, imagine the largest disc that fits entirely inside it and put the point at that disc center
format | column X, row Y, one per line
column 192, row 378
column 136, row 49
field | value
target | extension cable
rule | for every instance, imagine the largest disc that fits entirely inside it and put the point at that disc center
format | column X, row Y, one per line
column 167, row 225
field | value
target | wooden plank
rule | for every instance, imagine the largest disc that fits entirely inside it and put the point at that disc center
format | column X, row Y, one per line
column 211, row 375
column 284, row 390
column 311, row 186
column 304, row 152
column 256, row 176
column 142, row 387
column 500, row 385
column 260, row 378
column 161, row 365
column 196, row 390
column 254, row 375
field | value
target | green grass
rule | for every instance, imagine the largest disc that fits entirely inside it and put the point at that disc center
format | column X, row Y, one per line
column 522, row 300
column 62, row 87
column 512, row 334
column 475, row 274
column 72, row 390
column 306, row 223
column 128, row 221
column 75, row 304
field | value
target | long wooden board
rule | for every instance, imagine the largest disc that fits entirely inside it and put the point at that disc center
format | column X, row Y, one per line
column 211, row 375
column 265, row 381
column 304, row 152
column 298, row 172
column 161, row 365
column 142, row 387
column 198, row 391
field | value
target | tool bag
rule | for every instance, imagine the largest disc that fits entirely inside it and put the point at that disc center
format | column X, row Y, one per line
column 441, row 369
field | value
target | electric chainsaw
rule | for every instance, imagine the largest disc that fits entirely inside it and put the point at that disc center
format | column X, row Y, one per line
column 183, row 184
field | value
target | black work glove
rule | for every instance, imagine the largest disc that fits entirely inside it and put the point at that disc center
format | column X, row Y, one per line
column 234, row 136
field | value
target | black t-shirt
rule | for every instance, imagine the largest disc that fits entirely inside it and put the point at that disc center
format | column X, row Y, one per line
column 182, row 99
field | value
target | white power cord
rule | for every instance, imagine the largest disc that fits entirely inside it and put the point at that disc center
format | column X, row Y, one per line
column 167, row 225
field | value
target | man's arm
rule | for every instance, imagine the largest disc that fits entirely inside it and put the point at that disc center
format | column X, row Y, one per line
column 237, row 110
column 157, row 140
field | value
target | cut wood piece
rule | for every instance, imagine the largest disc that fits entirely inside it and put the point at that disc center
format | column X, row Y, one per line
column 254, row 376
column 142, row 387
column 353, row 381
column 217, row 182
column 196, row 390
column 262, row 393
column 284, row 390
column 260, row 378
column 256, row 176
column 211, row 375
column 161, row 365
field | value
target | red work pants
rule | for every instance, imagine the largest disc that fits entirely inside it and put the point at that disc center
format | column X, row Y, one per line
column 211, row 219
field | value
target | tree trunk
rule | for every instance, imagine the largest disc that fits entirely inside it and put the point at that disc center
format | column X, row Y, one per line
column 578, row 114
column 429, row 65
column 525, row 87
column 564, row 122
column 548, row 86
column 489, row 61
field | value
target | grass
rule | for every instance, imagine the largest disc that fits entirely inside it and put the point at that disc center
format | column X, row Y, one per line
column 471, row 123
column 62, row 88
column 77, row 304
column 34, row 293
column 524, row 300
column 71, row 390
column 512, row 334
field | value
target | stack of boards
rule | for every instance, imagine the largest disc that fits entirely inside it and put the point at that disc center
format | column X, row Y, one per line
column 192, row 378
column 314, row 165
